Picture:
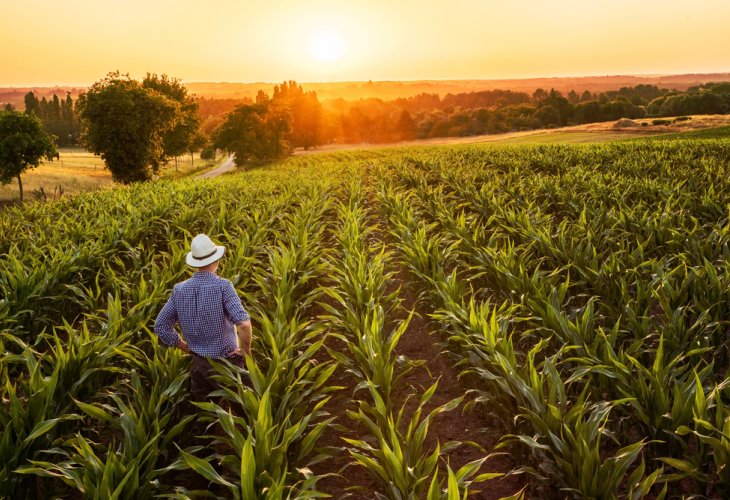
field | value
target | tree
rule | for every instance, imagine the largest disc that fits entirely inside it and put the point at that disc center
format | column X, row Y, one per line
column 177, row 140
column 547, row 115
column 539, row 95
column 407, row 128
column 23, row 143
column 58, row 117
column 589, row 112
column 32, row 106
column 198, row 141
column 307, row 124
column 621, row 108
column 254, row 132
column 126, row 123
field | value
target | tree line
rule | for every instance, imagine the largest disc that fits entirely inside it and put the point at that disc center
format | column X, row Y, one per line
column 466, row 114
column 137, row 126
column 58, row 116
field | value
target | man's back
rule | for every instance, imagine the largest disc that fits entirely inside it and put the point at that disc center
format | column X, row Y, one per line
column 207, row 307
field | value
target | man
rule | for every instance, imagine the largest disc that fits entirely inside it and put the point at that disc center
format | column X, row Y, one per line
column 210, row 314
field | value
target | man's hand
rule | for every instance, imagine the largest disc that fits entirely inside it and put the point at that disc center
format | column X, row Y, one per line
column 183, row 346
column 239, row 352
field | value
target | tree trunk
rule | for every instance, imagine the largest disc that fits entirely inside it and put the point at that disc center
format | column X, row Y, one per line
column 20, row 186
column 176, row 164
column 192, row 160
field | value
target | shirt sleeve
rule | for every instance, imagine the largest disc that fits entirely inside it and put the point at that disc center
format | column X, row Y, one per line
column 165, row 323
column 232, row 304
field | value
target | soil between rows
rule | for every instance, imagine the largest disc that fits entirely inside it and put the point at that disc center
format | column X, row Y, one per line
column 417, row 343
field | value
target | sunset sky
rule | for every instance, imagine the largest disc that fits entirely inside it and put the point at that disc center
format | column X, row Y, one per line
column 76, row 42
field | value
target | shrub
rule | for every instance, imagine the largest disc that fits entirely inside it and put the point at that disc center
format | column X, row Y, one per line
column 661, row 122
column 682, row 119
column 207, row 154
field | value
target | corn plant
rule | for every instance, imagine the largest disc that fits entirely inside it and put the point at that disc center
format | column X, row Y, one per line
column 29, row 415
column 263, row 446
column 398, row 458
column 711, row 428
column 148, row 425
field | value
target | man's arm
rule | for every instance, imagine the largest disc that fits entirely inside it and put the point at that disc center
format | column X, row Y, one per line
column 245, row 335
column 237, row 314
column 165, row 326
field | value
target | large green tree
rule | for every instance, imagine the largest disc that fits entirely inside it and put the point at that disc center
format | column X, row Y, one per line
column 179, row 139
column 254, row 132
column 23, row 144
column 126, row 123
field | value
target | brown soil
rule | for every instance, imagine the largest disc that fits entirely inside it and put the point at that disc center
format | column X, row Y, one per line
column 342, row 479
column 419, row 343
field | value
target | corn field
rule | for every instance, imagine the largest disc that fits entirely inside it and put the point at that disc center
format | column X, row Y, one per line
column 580, row 292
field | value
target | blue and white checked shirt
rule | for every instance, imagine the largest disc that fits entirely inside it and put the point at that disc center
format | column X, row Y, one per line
column 207, row 308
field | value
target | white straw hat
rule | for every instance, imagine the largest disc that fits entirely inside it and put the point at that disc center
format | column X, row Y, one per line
column 203, row 251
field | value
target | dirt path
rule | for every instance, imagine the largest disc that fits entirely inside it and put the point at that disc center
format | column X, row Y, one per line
column 227, row 165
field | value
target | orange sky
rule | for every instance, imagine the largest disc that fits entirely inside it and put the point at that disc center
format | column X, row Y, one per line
column 76, row 42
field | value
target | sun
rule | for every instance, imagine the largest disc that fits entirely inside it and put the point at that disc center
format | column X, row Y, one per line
column 326, row 46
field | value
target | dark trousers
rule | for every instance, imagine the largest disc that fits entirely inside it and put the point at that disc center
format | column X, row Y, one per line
column 201, row 376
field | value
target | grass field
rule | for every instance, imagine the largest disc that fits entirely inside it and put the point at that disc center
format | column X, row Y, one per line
column 79, row 171
column 570, row 137
column 607, row 135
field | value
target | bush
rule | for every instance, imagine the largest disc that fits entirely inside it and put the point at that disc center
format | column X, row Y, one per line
column 207, row 154
column 682, row 119
column 661, row 122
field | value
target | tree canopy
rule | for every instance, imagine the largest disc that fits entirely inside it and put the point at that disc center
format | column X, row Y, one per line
column 127, row 122
column 307, row 114
column 23, row 144
column 254, row 132
column 182, row 137
column 57, row 115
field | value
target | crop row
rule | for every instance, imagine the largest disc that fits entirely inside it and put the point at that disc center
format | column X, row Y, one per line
column 94, row 402
column 604, row 344
column 394, row 450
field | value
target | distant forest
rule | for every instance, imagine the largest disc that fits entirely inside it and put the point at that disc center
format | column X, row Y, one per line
column 58, row 116
column 314, row 122
column 470, row 113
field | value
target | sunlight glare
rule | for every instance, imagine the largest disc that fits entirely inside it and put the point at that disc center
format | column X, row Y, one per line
column 327, row 47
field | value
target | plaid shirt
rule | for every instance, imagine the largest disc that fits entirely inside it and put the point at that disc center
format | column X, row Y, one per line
column 207, row 308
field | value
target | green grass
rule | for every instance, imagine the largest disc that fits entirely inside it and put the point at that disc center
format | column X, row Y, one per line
column 564, row 137
column 707, row 133
column 78, row 171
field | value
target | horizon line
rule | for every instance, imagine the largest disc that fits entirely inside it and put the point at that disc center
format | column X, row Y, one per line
column 421, row 80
